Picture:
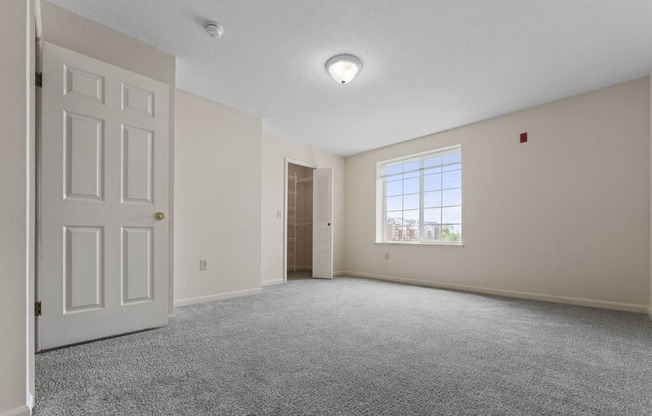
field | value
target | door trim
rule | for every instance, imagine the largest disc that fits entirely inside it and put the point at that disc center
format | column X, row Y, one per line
column 286, row 163
column 38, row 108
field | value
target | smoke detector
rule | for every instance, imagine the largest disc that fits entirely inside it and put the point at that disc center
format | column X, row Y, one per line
column 214, row 29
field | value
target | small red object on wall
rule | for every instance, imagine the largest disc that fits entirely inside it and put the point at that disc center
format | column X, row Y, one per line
column 523, row 137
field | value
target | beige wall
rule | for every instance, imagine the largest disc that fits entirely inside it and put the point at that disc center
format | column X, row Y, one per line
column 649, row 310
column 217, row 203
column 275, row 151
column 90, row 38
column 563, row 217
column 16, row 138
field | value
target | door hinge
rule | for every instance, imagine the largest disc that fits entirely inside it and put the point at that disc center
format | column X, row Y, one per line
column 39, row 79
column 37, row 308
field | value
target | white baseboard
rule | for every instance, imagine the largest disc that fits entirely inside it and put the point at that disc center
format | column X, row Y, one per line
column 281, row 281
column 219, row 296
column 629, row 307
column 19, row 411
column 30, row 401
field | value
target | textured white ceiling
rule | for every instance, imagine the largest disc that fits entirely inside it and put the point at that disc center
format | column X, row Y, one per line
column 429, row 65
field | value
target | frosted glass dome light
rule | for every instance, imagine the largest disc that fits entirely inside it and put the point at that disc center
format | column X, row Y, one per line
column 343, row 68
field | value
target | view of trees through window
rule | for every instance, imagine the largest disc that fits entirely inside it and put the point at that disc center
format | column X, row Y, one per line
column 422, row 197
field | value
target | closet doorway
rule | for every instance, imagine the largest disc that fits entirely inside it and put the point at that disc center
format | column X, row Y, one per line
column 299, row 221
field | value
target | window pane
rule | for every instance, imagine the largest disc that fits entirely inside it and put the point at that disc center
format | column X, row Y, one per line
column 432, row 182
column 452, row 162
column 395, row 216
column 394, row 188
column 453, row 179
column 411, row 201
column 394, row 169
column 452, row 197
column 412, row 233
column 392, row 228
column 411, row 225
column 411, row 217
column 432, row 216
column 411, row 169
column 451, row 215
column 411, row 166
column 451, row 232
column 431, row 232
column 394, row 203
column 432, row 165
column 432, row 199
column 453, row 228
column 411, row 186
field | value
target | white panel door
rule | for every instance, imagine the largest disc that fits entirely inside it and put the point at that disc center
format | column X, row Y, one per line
column 322, row 232
column 104, row 175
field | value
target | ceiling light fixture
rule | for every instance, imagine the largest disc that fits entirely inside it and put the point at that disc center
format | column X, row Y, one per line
column 213, row 29
column 343, row 68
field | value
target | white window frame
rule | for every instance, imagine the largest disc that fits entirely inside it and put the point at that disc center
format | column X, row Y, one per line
column 381, row 200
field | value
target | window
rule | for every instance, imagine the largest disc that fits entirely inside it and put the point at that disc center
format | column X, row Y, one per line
column 420, row 198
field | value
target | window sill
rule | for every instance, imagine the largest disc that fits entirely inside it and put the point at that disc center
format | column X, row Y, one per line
column 407, row 243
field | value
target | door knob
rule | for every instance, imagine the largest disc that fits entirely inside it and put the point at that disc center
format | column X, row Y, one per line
column 160, row 216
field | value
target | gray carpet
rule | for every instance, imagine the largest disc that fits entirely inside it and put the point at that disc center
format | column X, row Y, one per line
column 361, row 347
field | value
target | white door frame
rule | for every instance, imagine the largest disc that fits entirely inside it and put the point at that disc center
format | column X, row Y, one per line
column 285, row 209
column 37, row 176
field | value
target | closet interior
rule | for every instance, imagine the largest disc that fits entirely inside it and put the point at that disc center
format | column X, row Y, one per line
column 299, row 222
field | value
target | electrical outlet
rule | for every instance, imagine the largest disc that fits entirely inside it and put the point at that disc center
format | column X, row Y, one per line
column 387, row 255
column 203, row 265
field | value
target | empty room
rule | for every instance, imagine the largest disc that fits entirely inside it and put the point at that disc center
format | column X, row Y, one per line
column 303, row 207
